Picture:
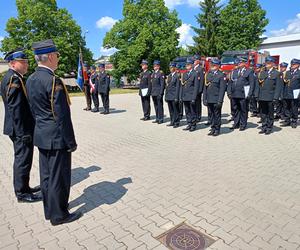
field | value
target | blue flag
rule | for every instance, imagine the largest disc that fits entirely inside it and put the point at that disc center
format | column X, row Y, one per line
column 80, row 80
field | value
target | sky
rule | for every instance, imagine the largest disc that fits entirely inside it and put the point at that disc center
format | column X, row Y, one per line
column 96, row 17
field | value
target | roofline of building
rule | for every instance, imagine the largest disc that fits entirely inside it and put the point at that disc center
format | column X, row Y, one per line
column 282, row 39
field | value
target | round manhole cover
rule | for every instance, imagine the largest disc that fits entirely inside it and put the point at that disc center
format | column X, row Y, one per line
column 185, row 239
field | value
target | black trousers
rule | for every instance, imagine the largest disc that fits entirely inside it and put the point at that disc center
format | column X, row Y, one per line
column 231, row 108
column 159, row 107
column 87, row 93
column 267, row 114
column 253, row 105
column 190, row 113
column 292, row 110
column 278, row 108
column 105, row 101
column 146, row 106
column 95, row 98
column 215, row 112
column 23, row 153
column 55, row 175
column 174, row 112
column 199, row 106
column 180, row 110
column 240, row 112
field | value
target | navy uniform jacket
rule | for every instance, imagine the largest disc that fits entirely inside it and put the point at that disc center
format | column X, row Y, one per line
column 200, row 78
column 145, row 82
column 172, row 87
column 18, row 120
column 239, row 78
column 49, row 104
column 158, row 83
column 103, row 83
column 269, row 85
column 190, row 86
column 291, row 80
column 215, row 87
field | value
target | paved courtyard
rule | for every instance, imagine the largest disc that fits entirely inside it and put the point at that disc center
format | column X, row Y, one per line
column 135, row 180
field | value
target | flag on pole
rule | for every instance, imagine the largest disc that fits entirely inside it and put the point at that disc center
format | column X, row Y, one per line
column 80, row 79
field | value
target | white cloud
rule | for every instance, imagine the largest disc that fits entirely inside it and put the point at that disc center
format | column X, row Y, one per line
column 107, row 52
column 106, row 22
column 172, row 3
column 1, row 38
column 292, row 28
column 186, row 35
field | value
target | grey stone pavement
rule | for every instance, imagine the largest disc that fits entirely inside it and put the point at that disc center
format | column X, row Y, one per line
column 135, row 180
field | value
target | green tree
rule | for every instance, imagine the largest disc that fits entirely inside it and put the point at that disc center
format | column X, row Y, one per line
column 146, row 31
column 242, row 22
column 39, row 20
column 206, row 33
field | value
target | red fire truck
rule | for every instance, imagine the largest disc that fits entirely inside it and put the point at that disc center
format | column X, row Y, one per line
column 253, row 57
column 181, row 62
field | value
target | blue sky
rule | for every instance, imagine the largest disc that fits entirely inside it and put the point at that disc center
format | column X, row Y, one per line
column 97, row 16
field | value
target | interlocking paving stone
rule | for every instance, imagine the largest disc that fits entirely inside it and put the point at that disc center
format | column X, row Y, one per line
column 243, row 187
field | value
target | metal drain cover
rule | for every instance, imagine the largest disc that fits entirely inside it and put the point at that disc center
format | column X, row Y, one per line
column 184, row 237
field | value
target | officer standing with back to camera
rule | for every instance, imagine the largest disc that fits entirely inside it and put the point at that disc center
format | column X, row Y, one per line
column 172, row 95
column 268, row 92
column 94, row 88
column 213, row 94
column 200, row 79
column 291, row 86
column 104, row 87
column 237, row 90
column 145, row 90
column 189, row 93
column 157, row 92
column 53, row 133
column 19, row 124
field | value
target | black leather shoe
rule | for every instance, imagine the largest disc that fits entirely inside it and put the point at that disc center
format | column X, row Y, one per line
column 268, row 132
column 242, row 128
column 259, row 121
column 176, row 126
column 28, row 198
column 102, row 113
column 94, row 110
column 294, row 125
column 70, row 218
column 216, row 133
column 143, row 119
column 170, row 125
column 106, row 112
column 285, row 124
column 192, row 129
column 233, row 127
column 35, row 189
column 262, row 132
column 160, row 122
column 211, row 132
column 156, row 121
column 187, row 128
column 146, row 118
column 207, row 124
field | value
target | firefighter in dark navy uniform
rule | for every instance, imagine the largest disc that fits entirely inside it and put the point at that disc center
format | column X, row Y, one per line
column 189, row 93
column 243, row 79
column 86, row 86
column 180, row 101
column 213, row 94
column 291, row 85
column 19, row 124
column 200, row 79
column 94, row 90
column 53, row 133
column 172, row 95
column 267, row 92
column 281, row 110
column 157, row 92
column 104, row 87
column 145, row 90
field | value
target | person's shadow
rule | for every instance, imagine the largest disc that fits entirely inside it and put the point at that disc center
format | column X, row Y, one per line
column 101, row 193
column 80, row 174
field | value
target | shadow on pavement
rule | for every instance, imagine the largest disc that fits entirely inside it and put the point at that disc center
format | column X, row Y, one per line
column 101, row 193
column 80, row 174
